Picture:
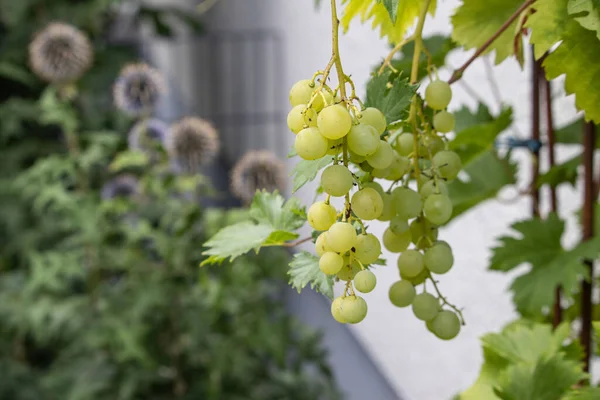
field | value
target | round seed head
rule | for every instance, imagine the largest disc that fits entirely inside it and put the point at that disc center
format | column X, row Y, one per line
column 138, row 89
column 257, row 170
column 191, row 143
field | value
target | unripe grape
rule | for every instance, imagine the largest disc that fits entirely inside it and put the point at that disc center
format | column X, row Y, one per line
column 353, row 309
column 296, row 120
column 396, row 243
column 337, row 180
column 433, row 186
column 438, row 95
column 438, row 258
column 336, row 310
column 367, row 248
column 321, row 246
column 348, row 272
column 374, row 185
column 334, row 122
column 444, row 122
column 438, row 209
column 310, row 144
column 355, row 158
column 402, row 293
column 405, row 144
column 417, row 280
column 372, row 116
column 445, row 325
column 398, row 225
column 321, row 216
column 383, row 157
column 365, row 281
column 365, row 166
column 380, row 173
column 302, row 92
column 334, row 147
column 399, row 167
column 423, row 233
column 367, row 204
column 389, row 207
column 341, row 237
column 408, row 203
column 410, row 263
column 448, row 164
column 363, row 139
column 425, row 306
column 331, row 263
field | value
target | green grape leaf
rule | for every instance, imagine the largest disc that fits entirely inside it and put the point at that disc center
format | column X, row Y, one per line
column 465, row 118
column 306, row 171
column 487, row 175
column 583, row 394
column 304, row 270
column 578, row 58
column 391, row 94
column 547, row 24
column 272, row 209
column 392, row 8
column 475, row 21
column 587, row 13
column 566, row 172
column 131, row 159
column 572, row 133
column 549, row 379
column 236, row 240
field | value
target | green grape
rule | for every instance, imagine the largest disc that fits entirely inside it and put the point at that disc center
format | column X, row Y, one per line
column 334, row 122
column 444, row 122
column 445, row 325
column 337, row 180
column 448, row 164
column 365, row 166
column 334, row 147
column 363, row 140
column 380, row 173
column 429, row 146
column 383, row 157
column 438, row 258
column 405, row 144
column 348, row 272
column 425, row 306
column 374, row 185
column 302, row 92
column 410, row 263
column 389, row 207
column 423, row 233
column 336, row 310
column 432, row 187
column 396, row 243
column 408, row 203
column 402, row 293
column 372, row 116
column 310, row 144
column 365, row 281
column 296, row 120
column 438, row 209
column 321, row 246
column 355, row 158
column 341, row 237
column 367, row 204
column 353, row 309
column 398, row 225
column 400, row 166
column 321, row 216
column 331, row 263
column 438, row 95
column 417, row 280
column 367, row 248
column 423, row 179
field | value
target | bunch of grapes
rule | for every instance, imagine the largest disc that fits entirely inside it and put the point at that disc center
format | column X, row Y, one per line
column 362, row 149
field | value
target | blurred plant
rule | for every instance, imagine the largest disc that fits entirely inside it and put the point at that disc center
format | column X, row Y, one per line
column 257, row 170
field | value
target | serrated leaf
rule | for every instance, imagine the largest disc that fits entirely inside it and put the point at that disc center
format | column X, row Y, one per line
column 304, row 270
column 587, row 13
column 235, row 240
column 475, row 21
column 547, row 24
column 391, row 94
column 567, row 172
column 572, row 133
column 271, row 209
column 392, row 8
column 578, row 57
column 306, row 171
column 465, row 118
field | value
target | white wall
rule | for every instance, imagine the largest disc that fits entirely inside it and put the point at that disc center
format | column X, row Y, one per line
column 420, row 366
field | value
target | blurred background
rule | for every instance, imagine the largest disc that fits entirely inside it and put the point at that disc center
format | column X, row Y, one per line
column 139, row 321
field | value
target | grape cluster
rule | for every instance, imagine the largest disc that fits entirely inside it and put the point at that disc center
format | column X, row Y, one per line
column 327, row 123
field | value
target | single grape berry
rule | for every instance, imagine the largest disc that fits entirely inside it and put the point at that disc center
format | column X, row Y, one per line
column 341, row 237
column 398, row 225
column 372, row 116
column 423, row 233
column 410, row 263
column 365, row 281
column 353, row 309
column 417, row 280
column 389, row 207
column 367, row 204
column 438, row 258
column 438, row 209
column 405, row 144
column 383, row 157
column 302, row 92
column 444, row 122
column 408, row 203
column 321, row 216
column 367, row 248
column 396, row 243
column 321, row 246
column 348, row 272
column 334, row 122
column 310, row 144
column 337, row 180
column 299, row 117
column 448, row 164
column 445, row 325
column 438, row 95
column 433, row 186
column 331, row 263
column 334, row 147
column 402, row 293
column 374, row 185
column 399, row 167
column 363, row 140
column 425, row 306
column 336, row 310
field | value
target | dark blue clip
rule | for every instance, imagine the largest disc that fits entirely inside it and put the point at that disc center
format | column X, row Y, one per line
column 512, row 143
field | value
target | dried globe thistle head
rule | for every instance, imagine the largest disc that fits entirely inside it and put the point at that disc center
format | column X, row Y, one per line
column 60, row 53
column 148, row 135
column 138, row 88
column 257, row 170
column 124, row 186
column 192, row 142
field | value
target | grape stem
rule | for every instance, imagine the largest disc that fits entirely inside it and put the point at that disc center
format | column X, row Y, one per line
column 296, row 242
column 446, row 303
column 458, row 73
column 387, row 62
